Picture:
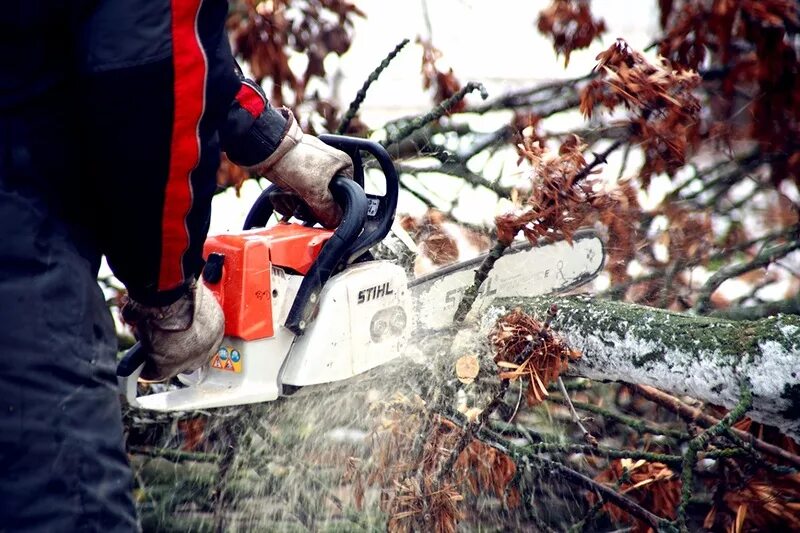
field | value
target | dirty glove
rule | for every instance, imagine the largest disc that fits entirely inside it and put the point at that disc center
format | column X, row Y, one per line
column 179, row 337
column 269, row 142
column 304, row 165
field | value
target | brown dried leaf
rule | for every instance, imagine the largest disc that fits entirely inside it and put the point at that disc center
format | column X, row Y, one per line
column 665, row 112
column 443, row 82
column 532, row 350
column 570, row 25
column 653, row 485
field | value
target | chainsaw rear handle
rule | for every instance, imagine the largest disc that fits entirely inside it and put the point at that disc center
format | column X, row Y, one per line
column 335, row 252
column 133, row 359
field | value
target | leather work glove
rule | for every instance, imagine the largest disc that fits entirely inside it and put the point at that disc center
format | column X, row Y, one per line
column 305, row 166
column 179, row 337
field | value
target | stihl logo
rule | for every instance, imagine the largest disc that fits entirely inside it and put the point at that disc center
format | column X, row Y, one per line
column 373, row 293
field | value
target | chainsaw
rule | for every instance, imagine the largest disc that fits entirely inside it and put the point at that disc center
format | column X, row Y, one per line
column 305, row 305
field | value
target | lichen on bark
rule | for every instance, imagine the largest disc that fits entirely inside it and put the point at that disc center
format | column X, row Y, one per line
column 704, row 357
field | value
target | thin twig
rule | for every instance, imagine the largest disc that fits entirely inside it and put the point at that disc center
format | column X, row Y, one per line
column 471, row 294
column 460, row 171
column 703, row 304
column 624, row 164
column 481, row 274
column 594, row 509
column 362, row 92
column 587, row 436
column 434, row 114
column 606, row 493
column 470, row 431
column 790, row 306
column 700, row 442
column 618, row 289
column 636, row 424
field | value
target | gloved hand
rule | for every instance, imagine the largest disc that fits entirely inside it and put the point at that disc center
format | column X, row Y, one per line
column 180, row 337
column 304, row 165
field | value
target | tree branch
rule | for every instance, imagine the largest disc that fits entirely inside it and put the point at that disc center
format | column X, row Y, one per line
column 434, row 114
column 362, row 92
column 703, row 304
column 700, row 442
column 702, row 357
column 790, row 306
column 696, row 416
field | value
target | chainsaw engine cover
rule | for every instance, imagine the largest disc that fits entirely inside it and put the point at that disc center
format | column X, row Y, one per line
column 364, row 321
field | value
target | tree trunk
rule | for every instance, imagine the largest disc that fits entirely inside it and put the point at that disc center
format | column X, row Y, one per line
column 707, row 358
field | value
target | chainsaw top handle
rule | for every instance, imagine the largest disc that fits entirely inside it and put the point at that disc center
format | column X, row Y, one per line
column 380, row 210
column 351, row 198
column 367, row 219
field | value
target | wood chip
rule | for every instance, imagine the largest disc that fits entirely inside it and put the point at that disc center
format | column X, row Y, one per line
column 467, row 368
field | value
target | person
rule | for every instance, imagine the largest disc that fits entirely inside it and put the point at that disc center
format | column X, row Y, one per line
column 113, row 116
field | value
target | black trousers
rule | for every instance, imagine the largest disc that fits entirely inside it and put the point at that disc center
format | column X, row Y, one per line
column 62, row 462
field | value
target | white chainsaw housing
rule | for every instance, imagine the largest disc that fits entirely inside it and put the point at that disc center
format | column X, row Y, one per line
column 363, row 321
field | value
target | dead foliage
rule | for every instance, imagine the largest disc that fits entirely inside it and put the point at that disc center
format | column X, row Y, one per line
column 664, row 111
column 564, row 197
column 570, row 25
column 760, row 501
column 193, row 431
column 619, row 216
column 264, row 34
column 769, row 434
column 441, row 81
column 413, row 508
column 653, row 485
column 441, row 241
column 750, row 46
column 411, row 494
column 557, row 205
column 689, row 237
column 526, row 348
column 487, row 470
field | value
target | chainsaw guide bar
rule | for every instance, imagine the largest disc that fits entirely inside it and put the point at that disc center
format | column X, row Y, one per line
column 523, row 271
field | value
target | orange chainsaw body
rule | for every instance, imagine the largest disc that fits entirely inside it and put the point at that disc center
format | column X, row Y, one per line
column 245, row 289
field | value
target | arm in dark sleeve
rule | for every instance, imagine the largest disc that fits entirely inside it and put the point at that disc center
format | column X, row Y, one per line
column 253, row 128
column 160, row 90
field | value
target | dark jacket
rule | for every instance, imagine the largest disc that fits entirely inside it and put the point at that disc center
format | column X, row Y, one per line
column 127, row 105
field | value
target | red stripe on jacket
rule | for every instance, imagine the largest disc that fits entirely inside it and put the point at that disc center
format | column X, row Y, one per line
column 251, row 100
column 190, row 71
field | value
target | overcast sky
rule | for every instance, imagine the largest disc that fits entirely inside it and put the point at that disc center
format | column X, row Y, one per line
column 495, row 43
